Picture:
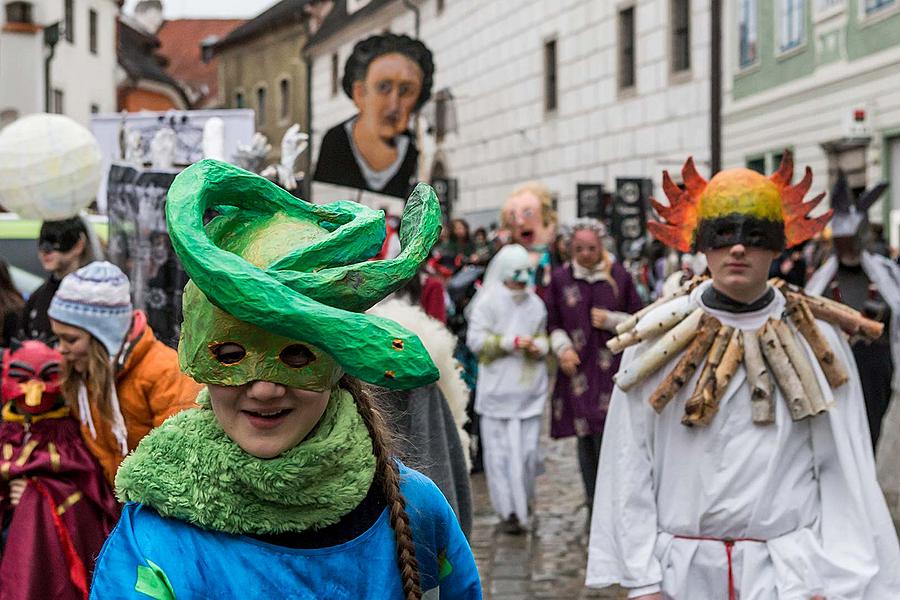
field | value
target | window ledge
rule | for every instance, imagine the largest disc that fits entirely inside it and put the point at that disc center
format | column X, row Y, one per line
column 21, row 28
column 627, row 92
column 879, row 16
column 748, row 70
column 679, row 77
column 790, row 52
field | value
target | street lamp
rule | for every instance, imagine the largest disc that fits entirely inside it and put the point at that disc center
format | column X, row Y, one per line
column 51, row 38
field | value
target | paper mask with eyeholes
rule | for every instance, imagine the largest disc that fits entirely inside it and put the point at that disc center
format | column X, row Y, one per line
column 737, row 206
column 278, row 285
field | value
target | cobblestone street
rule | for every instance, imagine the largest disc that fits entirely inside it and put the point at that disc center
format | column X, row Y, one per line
column 549, row 562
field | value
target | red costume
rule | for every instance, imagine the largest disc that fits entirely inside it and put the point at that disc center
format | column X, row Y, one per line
column 55, row 533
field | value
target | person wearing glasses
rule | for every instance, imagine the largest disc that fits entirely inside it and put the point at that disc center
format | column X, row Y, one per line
column 63, row 248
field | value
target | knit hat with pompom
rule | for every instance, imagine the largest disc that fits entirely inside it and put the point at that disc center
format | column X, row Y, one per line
column 96, row 298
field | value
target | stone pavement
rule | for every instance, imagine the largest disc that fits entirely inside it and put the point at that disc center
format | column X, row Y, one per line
column 547, row 564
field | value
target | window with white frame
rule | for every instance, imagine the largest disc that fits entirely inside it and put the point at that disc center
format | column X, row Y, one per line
column 747, row 33
column 873, row 6
column 793, row 24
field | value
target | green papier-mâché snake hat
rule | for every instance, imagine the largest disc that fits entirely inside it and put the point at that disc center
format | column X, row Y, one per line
column 286, row 281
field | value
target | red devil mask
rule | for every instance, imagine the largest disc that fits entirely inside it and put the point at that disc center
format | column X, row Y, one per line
column 31, row 377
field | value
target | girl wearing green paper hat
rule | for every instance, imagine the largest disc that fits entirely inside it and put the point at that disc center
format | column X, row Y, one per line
column 282, row 483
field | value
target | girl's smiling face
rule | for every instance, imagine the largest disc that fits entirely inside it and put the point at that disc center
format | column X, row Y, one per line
column 264, row 418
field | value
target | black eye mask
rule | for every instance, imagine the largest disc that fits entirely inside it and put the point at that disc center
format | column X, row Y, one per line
column 726, row 231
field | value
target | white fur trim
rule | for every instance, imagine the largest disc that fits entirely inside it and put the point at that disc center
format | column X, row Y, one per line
column 440, row 344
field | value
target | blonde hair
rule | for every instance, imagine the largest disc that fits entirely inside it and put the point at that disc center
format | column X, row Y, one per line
column 98, row 379
column 539, row 191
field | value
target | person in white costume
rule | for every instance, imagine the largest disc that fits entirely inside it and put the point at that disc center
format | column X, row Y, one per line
column 759, row 484
column 507, row 330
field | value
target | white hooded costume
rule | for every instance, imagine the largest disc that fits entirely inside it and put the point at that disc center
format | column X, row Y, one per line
column 512, row 387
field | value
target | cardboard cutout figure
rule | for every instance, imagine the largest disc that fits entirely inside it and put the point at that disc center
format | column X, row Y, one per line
column 56, row 528
column 530, row 219
column 389, row 78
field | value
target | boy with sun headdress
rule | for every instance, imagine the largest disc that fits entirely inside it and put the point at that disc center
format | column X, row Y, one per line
column 736, row 459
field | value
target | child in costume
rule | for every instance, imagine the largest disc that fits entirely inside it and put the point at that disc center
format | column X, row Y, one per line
column 736, row 459
column 507, row 330
column 56, row 508
column 586, row 299
column 282, row 481
column 121, row 379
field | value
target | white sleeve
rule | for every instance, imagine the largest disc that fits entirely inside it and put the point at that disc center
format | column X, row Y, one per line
column 624, row 523
column 479, row 325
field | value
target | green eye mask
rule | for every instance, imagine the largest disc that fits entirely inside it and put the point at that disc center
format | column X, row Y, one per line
column 278, row 284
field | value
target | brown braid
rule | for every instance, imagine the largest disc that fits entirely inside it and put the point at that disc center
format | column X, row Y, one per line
column 386, row 470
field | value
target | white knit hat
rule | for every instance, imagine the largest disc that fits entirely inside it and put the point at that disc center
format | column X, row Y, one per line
column 96, row 298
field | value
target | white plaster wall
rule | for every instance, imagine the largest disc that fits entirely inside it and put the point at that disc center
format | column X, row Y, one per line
column 21, row 72
column 87, row 78
column 490, row 54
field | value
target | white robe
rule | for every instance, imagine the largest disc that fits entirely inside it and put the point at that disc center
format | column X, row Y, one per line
column 807, row 488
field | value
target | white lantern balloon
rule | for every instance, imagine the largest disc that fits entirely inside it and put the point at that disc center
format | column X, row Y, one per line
column 49, row 167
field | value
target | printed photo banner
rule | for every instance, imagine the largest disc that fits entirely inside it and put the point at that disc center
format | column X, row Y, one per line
column 139, row 245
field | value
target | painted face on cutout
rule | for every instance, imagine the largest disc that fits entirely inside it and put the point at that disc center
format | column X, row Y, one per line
column 31, row 374
column 524, row 216
column 387, row 96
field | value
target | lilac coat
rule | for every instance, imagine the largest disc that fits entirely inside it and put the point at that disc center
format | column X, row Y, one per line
column 579, row 403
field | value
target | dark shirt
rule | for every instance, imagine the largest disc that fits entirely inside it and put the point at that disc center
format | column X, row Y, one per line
column 351, row 526
column 35, row 322
column 337, row 165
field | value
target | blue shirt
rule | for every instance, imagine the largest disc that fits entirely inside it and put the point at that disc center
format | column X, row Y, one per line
column 150, row 556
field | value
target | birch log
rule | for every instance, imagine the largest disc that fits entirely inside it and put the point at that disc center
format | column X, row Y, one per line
column 805, row 322
column 787, row 379
column 670, row 344
column 654, row 324
column 729, row 364
column 701, row 406
column 687, row 364
column 802, row 366
column 686, row 288
column 850, row 321
column 762, row 400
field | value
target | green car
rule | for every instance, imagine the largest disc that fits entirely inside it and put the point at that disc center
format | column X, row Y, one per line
column 18, row 247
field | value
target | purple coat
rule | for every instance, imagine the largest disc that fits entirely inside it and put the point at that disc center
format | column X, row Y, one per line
column 580, row 403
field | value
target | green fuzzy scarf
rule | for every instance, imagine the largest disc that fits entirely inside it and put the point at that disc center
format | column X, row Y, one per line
column 189, row 469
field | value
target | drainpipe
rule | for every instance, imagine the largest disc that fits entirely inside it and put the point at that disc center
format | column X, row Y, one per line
column 51, row 38
column 415, row 9
column 715, row 88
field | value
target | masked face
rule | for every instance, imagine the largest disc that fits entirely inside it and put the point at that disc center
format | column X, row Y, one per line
column 31, row 377
column 524, row 216
column 219, row 349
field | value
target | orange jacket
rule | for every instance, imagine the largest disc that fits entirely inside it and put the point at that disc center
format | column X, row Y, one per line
column 150, row 388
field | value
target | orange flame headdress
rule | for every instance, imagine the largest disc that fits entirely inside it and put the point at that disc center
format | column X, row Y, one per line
column 706, row 214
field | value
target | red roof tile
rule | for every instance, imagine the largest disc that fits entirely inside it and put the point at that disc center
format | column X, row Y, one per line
column 181, row 39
